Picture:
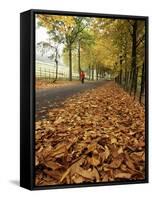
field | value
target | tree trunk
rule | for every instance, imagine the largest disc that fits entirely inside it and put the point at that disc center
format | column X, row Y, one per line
column 56, row 73
column 92, row 73
column 70, row 63
column 89, row 73
column 120, row 77
column 142, row 83
column 100, row 73
column 127, row 79
column 96, row 72
column 135, row 82
column 56, row 63
column 133, row 65
column 79, row 62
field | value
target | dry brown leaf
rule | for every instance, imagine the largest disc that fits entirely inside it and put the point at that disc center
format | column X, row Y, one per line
column 54, row 174
column 36, row 161
column 53, row 165
column 72, row 168
column 105, row 179
column 130, row 164
column 123, row 175
column 89, row 174
column 106, row 154
column 138, row 156
column 58, row 121
column 59, row 151
column 115, row 163
column 120, row 150
column 93, row 137
column 78, row 179
column 93, row 161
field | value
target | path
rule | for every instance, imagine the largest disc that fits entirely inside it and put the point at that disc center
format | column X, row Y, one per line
column 53, row 97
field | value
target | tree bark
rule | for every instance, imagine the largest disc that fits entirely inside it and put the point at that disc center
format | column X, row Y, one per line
column 79, row 62
column 92, row 73
column 142, row 83
column 120, row 76
column 70, row 63
column 135, row 82
column 56, row 76
column 89, row 73
column 96, row 72
column 133, row 65
column 56, row 63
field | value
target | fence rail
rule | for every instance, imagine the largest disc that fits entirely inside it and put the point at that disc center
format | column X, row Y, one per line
column 49, row 74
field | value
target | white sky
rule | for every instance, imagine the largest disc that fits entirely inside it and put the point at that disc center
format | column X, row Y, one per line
column 41, row 33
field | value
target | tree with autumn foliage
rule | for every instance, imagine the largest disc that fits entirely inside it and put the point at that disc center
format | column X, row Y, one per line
column 68, row 27
column 101, row 45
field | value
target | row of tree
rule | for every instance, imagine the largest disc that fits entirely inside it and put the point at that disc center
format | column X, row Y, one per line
column 115, row 46
column 132, row 57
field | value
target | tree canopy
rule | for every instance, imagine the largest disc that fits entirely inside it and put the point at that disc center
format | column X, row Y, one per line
column 99, row 45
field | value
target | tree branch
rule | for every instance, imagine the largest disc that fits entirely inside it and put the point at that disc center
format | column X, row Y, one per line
column 140, row 40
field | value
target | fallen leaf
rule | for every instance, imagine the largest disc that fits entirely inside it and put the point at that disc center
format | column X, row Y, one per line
column 106, row 154
column 59, row 151
column 123, row 175
column 130, row 164
column 53, row 165
column 93, row 161
column 93, row 136
column 120, row 150
column 115, row 163
column 91, row 147
column 113, row 140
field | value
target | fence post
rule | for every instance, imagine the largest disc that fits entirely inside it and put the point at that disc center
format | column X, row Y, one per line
column 49, row 74
column 40, row 73
column 45, row 74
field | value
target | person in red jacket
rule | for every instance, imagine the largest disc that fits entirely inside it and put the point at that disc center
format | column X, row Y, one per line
column 82, row 76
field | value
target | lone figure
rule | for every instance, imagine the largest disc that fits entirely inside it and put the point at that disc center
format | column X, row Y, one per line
column 82, row 76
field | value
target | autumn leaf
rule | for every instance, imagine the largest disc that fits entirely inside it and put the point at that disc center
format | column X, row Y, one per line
column 52, row 165
column 106, row 154
column 123, row 175
column 93, row 161
column 116, row 163
column 113, row 140
column 81, row 144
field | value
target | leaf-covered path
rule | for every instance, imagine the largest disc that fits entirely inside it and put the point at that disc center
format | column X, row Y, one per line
column 54, row 97
column 97, row 136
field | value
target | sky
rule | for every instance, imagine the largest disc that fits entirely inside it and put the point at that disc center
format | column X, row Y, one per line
column 41, row 33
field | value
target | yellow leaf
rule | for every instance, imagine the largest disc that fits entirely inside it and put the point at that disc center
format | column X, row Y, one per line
column 120, row 150
column 92, row 147
column 113, row 140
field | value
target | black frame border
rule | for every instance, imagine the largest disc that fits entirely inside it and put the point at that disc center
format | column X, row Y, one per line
column 30, row 136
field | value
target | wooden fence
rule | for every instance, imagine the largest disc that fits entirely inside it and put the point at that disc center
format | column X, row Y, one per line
column 50, row 74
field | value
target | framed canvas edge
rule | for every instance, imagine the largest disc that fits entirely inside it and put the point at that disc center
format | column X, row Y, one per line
column 32, row 97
